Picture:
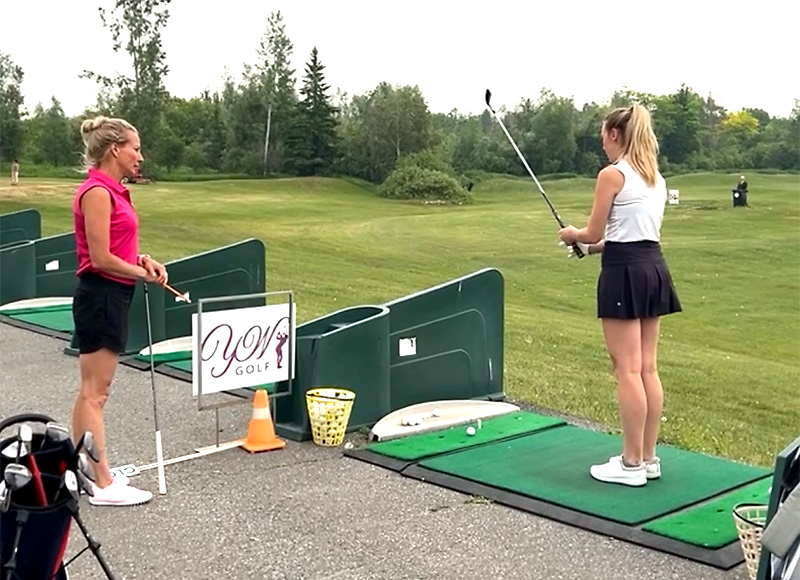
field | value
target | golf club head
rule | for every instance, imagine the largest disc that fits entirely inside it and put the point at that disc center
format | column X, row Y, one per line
column 71, row 483
column 489, row 99
column 85, row 483
column 16, row 476
column 14, row 450
column 56, row 433
column 87, row 442
column 24, row 438
column 85, row 467
column 5, row 497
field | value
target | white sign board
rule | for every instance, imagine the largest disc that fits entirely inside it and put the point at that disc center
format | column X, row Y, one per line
column 674, row 197
column 243, row 347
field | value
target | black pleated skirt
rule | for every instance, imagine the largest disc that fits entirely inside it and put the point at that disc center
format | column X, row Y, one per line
column 635, row 282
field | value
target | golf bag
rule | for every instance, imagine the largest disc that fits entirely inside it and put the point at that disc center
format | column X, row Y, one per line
column 37, row 510
column 781, row 537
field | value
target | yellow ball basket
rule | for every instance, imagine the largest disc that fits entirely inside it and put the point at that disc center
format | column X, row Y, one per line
column 329, row 411
column 750, row 521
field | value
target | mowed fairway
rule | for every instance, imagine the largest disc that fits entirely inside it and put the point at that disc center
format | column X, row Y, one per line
column 730, row 363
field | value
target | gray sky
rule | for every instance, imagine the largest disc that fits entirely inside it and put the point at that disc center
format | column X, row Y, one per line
column 744, row 57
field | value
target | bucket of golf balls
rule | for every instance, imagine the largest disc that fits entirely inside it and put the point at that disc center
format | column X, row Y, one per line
column 329, row 412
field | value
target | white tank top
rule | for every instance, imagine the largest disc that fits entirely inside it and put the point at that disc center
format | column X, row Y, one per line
column 638, row 209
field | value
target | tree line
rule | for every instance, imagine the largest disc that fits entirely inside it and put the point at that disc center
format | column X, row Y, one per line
column 274, row 121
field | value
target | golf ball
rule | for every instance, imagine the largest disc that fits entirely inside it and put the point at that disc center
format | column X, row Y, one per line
column 470, row 431
column 437, row 412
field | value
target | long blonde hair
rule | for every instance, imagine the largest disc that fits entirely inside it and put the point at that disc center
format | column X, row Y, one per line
column 639, row 143
column 99, row 134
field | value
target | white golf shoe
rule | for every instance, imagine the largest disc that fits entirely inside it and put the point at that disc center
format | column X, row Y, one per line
column 614, row 471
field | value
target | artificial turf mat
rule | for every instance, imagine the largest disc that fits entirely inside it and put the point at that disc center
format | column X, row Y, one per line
column 553, row 465
column 13, row 312
column 711, row 524
column 54, row 318
column 415, row 447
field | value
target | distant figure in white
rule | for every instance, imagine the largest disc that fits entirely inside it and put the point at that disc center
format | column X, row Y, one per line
column 14, row 172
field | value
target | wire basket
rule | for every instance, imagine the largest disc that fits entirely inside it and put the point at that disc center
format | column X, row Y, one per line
column 329, row 411
column 750, row 520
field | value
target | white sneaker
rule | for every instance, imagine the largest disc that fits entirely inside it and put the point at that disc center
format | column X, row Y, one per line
column 653, row 468
column 616, row 472
column 118, row 494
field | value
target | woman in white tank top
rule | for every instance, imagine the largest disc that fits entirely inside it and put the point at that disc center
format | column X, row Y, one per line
column 635, row 286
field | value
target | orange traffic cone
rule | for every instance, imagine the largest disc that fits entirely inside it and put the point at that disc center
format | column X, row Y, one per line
column 261, row 432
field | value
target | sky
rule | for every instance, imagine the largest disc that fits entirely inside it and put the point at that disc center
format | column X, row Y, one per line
column 454, row 51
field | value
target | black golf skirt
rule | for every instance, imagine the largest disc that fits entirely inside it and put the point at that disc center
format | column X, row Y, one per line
column 100, row 312
column 635, row 282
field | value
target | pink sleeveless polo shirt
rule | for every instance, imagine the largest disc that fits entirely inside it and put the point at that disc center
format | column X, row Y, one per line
column 123, row 239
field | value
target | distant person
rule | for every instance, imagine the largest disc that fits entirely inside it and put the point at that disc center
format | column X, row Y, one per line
column 635, row 286
column 14, row 172
column 740, row 193
column 109, row 264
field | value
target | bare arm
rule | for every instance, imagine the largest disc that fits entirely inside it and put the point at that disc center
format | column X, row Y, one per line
column 609, row 183
column 96, row 208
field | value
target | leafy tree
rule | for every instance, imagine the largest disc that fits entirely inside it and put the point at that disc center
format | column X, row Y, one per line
column 380, row 127
column 273, row 80
column 11, row 101
column 136, row 27
column 49, row 136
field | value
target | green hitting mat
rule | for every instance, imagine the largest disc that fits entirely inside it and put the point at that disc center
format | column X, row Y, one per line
column 55, row 319
column 541, row 465
column 456, row 438
column 710, row 525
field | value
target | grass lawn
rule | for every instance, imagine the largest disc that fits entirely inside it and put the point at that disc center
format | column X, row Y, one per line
column 730, row 363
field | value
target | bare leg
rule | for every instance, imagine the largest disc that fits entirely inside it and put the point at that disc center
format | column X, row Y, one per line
column 652, row 385
column 623, row 341
column 97, row 371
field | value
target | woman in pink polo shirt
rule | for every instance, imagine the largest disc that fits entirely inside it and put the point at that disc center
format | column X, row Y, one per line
column 109, row 264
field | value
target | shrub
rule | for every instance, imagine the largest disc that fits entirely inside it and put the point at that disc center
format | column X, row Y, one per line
column 411, row 181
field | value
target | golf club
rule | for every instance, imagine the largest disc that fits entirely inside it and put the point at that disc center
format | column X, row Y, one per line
column 26, row 440
column 177, row 294
column 15, row 476
column 5, row 497
column 86, row 442
column 162, row 481
column 578, row 252
column 85, row 467
column 54, row 433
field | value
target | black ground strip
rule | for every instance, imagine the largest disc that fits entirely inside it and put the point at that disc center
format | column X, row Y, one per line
column 35, row 328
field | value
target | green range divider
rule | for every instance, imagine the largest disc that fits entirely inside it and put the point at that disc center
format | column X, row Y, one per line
column 55, row 319
column 710, row 525
column 415, row 447
column 553, row 466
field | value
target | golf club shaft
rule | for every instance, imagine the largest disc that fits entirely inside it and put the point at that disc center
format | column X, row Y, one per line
column 162, row 480
column 530, row 172
column 575, row 248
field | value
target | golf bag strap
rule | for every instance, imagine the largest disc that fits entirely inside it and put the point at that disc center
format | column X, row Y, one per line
column 23, row 418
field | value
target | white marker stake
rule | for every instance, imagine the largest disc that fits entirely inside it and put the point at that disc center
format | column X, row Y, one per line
column 162, row 480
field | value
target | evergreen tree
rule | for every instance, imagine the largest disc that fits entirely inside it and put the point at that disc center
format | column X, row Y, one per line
column 314, row 139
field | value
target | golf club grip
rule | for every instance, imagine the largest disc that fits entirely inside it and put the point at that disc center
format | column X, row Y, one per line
column 577, row 250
